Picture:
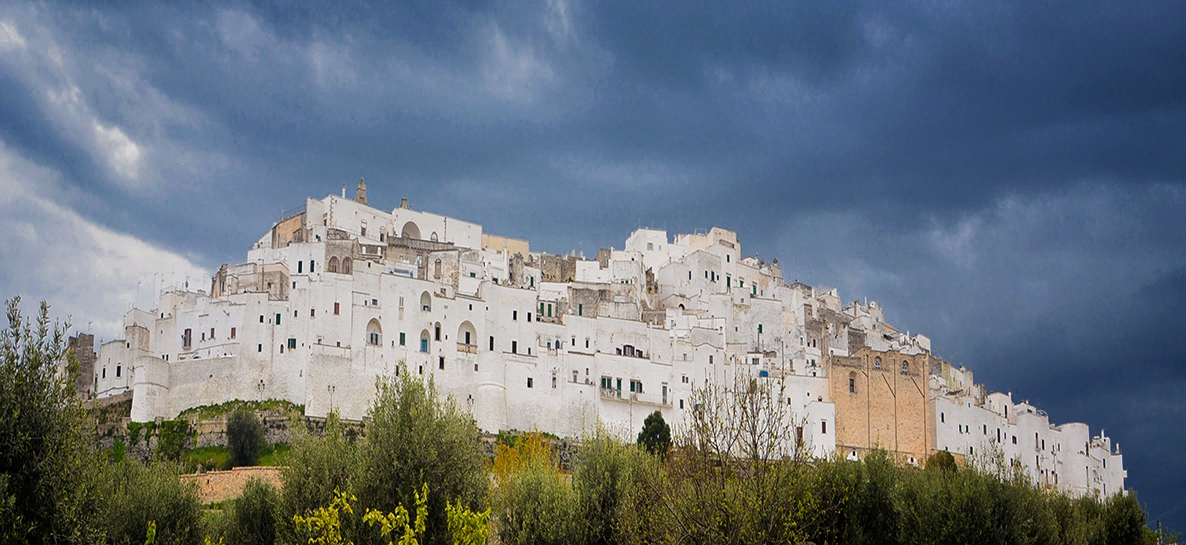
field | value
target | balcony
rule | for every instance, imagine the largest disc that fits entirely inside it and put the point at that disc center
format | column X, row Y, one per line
column 467, row 348
column 636, row 397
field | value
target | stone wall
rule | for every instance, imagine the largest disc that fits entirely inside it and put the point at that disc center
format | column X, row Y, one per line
column 883, row 406
column 216, row 486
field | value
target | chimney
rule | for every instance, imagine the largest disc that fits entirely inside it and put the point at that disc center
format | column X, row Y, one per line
column 403, row 203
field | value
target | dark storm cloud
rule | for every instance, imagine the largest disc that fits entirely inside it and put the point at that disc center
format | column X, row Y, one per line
column 1006, row 178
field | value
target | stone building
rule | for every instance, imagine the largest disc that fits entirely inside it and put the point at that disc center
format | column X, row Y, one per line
column 338, row 293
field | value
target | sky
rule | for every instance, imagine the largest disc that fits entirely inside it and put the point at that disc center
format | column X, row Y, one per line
column 1007, row 178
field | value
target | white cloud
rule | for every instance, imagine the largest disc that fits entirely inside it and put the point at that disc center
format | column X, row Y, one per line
column 10, row 38
column 512, row 69
column 85, row 270
column 122, row 154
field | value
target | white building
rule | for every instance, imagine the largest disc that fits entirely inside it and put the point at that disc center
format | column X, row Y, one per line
column 338, row 293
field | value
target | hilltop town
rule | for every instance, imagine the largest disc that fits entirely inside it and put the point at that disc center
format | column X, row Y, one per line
column 337, row 293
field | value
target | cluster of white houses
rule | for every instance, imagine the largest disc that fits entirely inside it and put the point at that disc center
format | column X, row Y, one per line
column 338, row 293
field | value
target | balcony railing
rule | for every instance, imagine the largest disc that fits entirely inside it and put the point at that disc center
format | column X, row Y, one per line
column 467, row 348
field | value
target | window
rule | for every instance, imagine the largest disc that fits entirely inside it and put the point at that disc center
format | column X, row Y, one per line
column 277, row 318
column 310, row 265
column 312, row 313
column 681, row 402
column 212, row 333
column 233, row 331
column 759, row 329
column 259, row 348
column 528, row 316
column 203, row 336
column 553, row 382
column 492, row 343
column 299, row 265
column 586, row 342
column 294, row 315
column 636, row 386
column 261, row 318
column 118, row 368
column 941, row 418
column 877, row 363
column 530, row 382
column 403, row 338
column 424, row 341
column 514, row 315
column 291, row 343
column 436, row 332
column 580, row 309
column 337, row 308
column 104, row 372
column 710, row 359
column 823, row 427
column 441, row 363
column 186, row 338
column 852, row 386
column 905, row 368
column 514, row 347
column 1014, row 439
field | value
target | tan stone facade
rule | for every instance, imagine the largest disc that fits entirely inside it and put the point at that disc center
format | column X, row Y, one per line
column 882, row 402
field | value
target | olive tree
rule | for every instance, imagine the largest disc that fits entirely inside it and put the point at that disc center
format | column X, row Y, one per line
column 47, row 465
column 416, row 438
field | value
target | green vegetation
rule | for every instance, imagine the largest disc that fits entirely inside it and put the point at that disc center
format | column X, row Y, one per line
column 44, row 450
column 138, row 494
column 655, row 436
column 222, row 409
column 245, row 438
column 414, row 438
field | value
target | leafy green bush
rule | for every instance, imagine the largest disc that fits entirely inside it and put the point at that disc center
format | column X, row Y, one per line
column 141, row 493
column 317, row 466
column 245, row 438
column 532, row 502
column 253, row 517
column 172, row 439
column 415, row 438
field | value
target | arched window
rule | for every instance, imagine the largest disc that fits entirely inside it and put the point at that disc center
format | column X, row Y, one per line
column 436, row 332
column 374, row 333
column 877, row 363
column 425, row 302
column 852, row 382
column 466, row 334
column 333, row 265
column 436, row 269
column 905, row 367
column 347, row 266
column 410, row 230
column 424, row 341
column 433, row 236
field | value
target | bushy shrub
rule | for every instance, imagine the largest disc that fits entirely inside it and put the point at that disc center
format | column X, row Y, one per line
column 316, row 467
column 415, row 438
column 140, row 494
column 245, row 437
column 253, row 517
column 532, row 500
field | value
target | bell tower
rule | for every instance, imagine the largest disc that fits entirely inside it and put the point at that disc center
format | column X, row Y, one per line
column 360, row 196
